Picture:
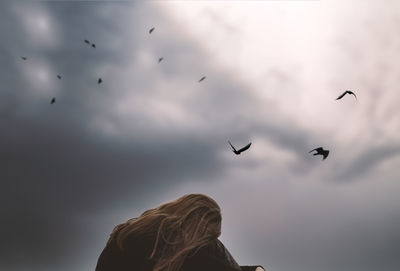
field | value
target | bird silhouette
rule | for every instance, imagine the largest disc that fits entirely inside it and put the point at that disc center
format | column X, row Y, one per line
column 24, row 58
column 237, row 152
column 86, row 41
column 151, row 30
column 59, row 76
column 201, row 79
column 53, row 101
column 99, row 81
column 320, row 151
column 346, row 92
column 93, row 45
column 160, row 59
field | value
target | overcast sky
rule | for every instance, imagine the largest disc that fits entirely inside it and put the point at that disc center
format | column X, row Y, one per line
column 104, row 153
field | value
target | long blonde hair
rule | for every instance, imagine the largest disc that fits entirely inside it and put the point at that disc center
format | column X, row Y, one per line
column 181, row 226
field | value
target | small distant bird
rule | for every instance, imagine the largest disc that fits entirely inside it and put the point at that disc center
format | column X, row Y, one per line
column 86, row 41
column 346, row 92
column 53, row 101
column 151, row 30
column 59, row 76
column 160, row 59
column 320, row 151
column 99, row 81
column 237, row 152
column 24, row 58
column 93, row 45
column 201, row 79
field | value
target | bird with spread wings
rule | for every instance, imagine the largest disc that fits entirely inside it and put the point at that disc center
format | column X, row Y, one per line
column 320, row 151
column 346, row 92
column 237, row 152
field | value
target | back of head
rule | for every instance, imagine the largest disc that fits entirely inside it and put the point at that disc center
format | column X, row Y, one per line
column 180, row 227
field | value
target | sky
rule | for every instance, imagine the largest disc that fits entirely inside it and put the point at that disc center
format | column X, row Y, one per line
column 104, row 153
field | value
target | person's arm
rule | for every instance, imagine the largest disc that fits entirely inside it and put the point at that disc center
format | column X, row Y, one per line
column 215, row 257
column 252, row 268
column 227, row 255
column 224, row 253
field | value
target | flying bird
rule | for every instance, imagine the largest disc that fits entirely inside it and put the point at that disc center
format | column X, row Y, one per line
column 59, row 76
column 151, row 30
column 237, row 152
column 201, row 79
column 160, row 59
column 93, row 45
column 99, row 81
column 320, row 151
column 24, row 58
column 346, row 92
column 53, row 101
column 86, row 41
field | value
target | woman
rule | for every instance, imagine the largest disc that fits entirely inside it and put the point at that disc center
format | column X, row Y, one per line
column 181, row 235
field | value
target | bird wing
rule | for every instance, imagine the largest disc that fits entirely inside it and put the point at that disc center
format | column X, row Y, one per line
column 325, row 154
column 316, row 149
column 232, row 146
column 86, row 41
column 341, row 96
column 352, row 93
column 245, row 147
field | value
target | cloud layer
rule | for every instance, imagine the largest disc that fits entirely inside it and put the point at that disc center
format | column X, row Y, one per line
column 150, row 132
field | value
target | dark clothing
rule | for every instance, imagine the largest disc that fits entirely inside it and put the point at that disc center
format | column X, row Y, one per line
column 135, row 258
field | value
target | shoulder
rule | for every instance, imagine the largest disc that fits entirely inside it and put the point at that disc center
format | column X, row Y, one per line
column 110, row 258
column 133, row 253
column 212, row 257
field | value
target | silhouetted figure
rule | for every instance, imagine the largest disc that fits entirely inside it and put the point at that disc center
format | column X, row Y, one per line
column 160, row 59
column 24, row 58
column 201, row 79
column 99, row 81
column 93, row 45
column 320, row 151
column 346, row 92
column 181, row 235
column 53, row 101
column 151, row 30
column 237, row 152
column 59, row 76
column 88, row 42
